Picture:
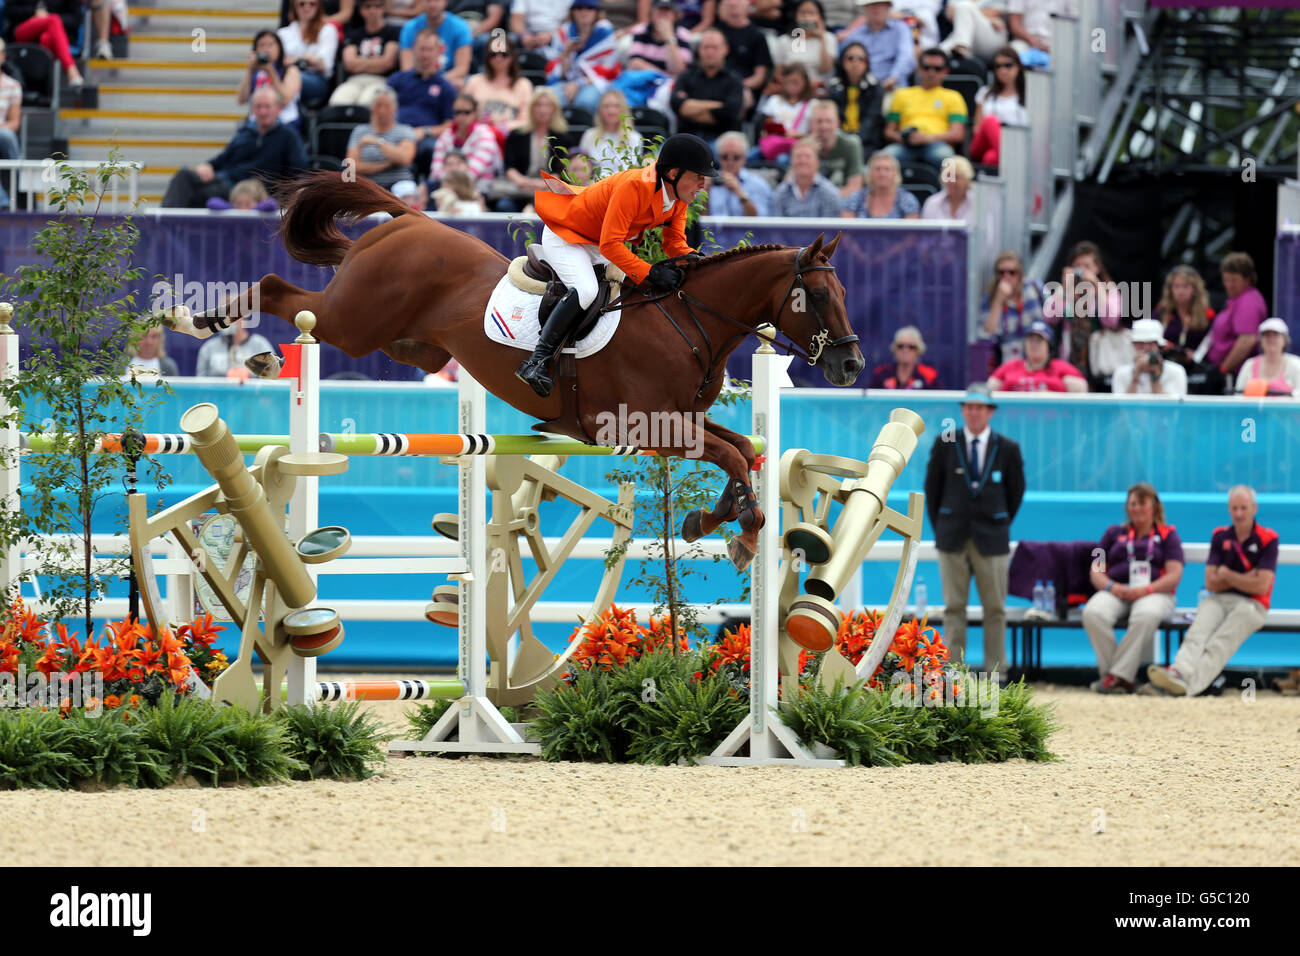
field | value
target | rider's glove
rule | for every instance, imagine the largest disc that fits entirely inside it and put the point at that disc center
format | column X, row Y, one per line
column 665, row 277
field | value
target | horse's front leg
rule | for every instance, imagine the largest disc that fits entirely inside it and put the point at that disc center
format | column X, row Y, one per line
column 737, row 499
column 272, row 295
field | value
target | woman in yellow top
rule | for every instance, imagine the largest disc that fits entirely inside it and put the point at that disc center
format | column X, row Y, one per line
column 587, row 225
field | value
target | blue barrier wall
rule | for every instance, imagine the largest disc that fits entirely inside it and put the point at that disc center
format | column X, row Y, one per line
column 1081, row 453
column 893, row 275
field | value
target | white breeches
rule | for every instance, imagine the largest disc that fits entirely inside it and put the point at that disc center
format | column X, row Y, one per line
column 573, row 263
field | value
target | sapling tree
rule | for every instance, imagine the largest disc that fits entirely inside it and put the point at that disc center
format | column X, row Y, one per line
column 75, row 307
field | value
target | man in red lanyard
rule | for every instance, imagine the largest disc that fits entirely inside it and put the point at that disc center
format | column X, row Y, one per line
column 1239, row 574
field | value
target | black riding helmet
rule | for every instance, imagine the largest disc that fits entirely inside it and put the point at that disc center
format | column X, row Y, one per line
column 685, row 152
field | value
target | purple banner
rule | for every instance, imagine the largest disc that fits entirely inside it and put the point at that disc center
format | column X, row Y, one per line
column 892, row 277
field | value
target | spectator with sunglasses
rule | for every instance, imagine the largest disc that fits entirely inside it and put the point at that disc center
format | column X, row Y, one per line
column 501, row 91
column 926, row 122
column 858, row 96
column 738, row 191
column 906, row 371
column 475, row 141
column 1010, row 306
column 1002, row 101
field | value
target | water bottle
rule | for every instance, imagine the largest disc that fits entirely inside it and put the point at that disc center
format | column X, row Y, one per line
column 1038, row 595
column 919, row 596
column 1049, row 598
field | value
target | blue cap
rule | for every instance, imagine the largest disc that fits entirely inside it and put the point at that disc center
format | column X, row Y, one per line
column 585, row 5
column 977, row 393
column 1039, row 327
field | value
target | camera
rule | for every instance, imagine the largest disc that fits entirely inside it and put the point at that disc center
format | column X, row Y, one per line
column 906, row 134
column 263, row 58
column 1078, row 275
column 303, row 64
column 1154, row 363
column 808, row 24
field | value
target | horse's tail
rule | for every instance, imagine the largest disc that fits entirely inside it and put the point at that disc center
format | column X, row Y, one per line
column 311, row 204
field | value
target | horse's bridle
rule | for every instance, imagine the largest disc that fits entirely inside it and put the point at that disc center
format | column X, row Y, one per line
column 820, row 341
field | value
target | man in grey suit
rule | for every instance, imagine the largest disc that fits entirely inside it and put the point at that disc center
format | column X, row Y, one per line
column 974, row 484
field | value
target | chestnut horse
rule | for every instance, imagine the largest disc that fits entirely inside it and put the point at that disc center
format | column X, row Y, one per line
column 417, row 290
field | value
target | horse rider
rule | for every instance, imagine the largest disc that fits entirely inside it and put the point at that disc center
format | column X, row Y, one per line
column 589, row 225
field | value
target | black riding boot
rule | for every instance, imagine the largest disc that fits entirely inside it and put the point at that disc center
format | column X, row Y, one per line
column 558, row 325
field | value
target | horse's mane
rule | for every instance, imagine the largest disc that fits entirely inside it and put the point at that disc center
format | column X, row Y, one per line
column 727, row 254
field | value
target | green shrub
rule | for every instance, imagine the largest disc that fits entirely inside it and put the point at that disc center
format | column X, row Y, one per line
column 852, row 723
column 216, row 744
column 341, row 741
column 686, row 719
column 35, row 752
column 581, row 721
column 113, row 751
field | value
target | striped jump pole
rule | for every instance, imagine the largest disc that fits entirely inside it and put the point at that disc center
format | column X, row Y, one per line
column 373, row 444
column 157, row 444
column 402, row 444
column 332, row 690
column 396, row 689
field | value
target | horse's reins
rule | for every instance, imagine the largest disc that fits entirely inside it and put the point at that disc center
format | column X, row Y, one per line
column 820, row 341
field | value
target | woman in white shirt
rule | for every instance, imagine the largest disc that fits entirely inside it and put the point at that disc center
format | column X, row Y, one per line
column 312, row 43
column 1274, row 371
column 612, row 145
column 1002, row 101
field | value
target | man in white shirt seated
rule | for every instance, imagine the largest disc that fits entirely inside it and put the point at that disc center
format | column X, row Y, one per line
column 1149, row 373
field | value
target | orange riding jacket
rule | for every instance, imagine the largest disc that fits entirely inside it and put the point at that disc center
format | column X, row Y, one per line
column 614, row 211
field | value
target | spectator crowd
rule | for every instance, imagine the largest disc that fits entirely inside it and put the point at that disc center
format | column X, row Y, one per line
column 864, row 82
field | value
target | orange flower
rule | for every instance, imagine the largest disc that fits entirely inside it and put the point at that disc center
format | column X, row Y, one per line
column 734, row 648
column 51, row 662
column 112, row 701
column 613, row 638
column 151, row 659
column 178, row 669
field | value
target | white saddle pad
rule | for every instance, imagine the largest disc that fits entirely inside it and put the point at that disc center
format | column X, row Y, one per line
column 511, row 319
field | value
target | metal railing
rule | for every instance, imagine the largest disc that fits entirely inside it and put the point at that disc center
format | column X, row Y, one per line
column 35, row 179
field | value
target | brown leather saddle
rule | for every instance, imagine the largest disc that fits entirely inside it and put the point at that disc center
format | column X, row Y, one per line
column 568, row 422
column 536, row 268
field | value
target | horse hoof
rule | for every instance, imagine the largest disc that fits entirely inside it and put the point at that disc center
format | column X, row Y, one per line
column 264, row 365
column 740, row 554
column 180, row 319
column 752, row 519
column 692, row 526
